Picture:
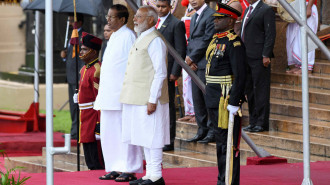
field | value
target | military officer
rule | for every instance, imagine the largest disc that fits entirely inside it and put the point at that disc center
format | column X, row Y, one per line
column 88, row 89
column 225, row 79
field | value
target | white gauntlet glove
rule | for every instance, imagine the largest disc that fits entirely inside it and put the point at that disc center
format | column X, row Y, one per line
column 233, row 109
column 75, row 98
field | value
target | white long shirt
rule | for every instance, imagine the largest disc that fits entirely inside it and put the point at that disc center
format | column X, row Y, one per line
column 113, row 69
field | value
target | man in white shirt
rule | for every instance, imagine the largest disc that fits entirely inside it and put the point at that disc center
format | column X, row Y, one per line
column 121, row 159
column 145, row 97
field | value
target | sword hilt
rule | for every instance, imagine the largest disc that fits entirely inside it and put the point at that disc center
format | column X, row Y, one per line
column 240, row 112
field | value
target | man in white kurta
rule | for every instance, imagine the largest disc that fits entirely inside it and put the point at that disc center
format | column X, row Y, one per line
column 145, row 97
column 293, row 43
column 118, row 156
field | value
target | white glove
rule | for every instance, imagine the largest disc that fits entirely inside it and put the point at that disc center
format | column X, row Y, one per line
column 233, row 109
column 75, row 98
column 97, row 137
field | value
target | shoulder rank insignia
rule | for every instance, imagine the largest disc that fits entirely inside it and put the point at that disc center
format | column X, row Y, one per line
column 237, row 43
column 231, row 36
column 220, row 35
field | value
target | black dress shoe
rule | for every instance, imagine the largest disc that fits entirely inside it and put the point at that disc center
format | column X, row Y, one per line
column 136, row 182
column 197, row 137
column 248, row 128
column 207, row 139
column 168, row 148
column 257, row 129
column 149, row 182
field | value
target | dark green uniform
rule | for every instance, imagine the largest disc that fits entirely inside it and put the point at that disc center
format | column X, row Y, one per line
column 225, row 81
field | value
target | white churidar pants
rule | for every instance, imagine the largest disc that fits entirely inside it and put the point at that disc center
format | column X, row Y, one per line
column 154, row 158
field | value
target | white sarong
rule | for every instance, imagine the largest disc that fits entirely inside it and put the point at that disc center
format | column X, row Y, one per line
column 118, row 156
column 187, row 94
column 293, row 41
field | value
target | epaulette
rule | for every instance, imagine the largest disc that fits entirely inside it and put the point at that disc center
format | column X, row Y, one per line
column 97, row 70
column 231, row 36
column 221, row 35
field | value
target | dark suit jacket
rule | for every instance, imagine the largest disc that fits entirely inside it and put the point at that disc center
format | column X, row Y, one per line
column 200, row 36
column 260, row 32
column 71, row 63
column 174, row 32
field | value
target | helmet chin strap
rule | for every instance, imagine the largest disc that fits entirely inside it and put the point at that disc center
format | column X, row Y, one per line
column 85, row 55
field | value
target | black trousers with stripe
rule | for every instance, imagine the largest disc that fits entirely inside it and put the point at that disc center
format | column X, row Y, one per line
column 221, row 144
column 92, row 156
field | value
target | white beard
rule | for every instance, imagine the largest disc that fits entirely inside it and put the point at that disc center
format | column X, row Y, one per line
column 141, row 27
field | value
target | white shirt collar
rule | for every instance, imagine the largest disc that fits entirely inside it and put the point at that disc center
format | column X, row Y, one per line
column 145, row 33
column 202, row 9
column 164, row 17
column 162, row 20
column 254, row 5
column 120, row 30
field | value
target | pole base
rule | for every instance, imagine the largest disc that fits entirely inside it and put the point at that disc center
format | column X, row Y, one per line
column 307, row 181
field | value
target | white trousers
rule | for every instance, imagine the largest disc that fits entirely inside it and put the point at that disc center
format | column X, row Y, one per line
column 187, row 94
column 154, row 158
column 293, row 41
column 118, row 156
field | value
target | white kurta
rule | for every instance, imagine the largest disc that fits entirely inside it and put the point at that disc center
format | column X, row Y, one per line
column 113, row 69
column 139, row 128
column 118, row 156
column 293, row 38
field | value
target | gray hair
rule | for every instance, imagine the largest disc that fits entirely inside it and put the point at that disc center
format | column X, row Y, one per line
column 151, row 12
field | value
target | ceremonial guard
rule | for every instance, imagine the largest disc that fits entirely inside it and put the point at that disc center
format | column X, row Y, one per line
column 88, row 89
column 225, row 79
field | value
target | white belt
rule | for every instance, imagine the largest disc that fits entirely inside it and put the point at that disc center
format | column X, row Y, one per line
column 88, row 105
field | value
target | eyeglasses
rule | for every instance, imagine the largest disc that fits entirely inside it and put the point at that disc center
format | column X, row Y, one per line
column 140, row 16
column 110, row 17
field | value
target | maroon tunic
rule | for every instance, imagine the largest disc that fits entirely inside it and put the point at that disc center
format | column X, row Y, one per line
column 88, row 89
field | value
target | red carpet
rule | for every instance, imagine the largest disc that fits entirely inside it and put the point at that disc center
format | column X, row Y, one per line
column 279, row 174
column 28, row 144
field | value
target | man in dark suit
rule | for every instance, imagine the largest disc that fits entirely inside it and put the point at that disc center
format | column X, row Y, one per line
column 71, row 73
column 258, row 34
column 174, row 32
column 201, row 32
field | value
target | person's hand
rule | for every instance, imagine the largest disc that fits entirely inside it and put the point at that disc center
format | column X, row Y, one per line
column 63, row 53
column 75, row 98
column 188, row 60
column 266, row 61
column 173, row 78
column 193, row 66
column 151, row 108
